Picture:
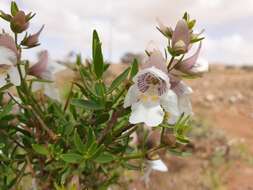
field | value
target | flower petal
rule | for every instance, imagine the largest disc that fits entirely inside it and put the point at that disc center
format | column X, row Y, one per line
column 131, row 96
column 52, row 91
column 2, row 80
column 158, row 165
column 37, row 86
column 156, row 72
column 181, row 34
column 188, row 63
column 183, row 92
column 156, row 60
column 150, row 114
column 14, row 76
column 169, row 102
column 33, row 39
column 8, row 42
column 181, row 88
column 40, row 66
column 184, row 105
column 201, row 66
column 7, row 56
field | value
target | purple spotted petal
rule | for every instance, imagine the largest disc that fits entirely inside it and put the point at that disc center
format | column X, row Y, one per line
column 141, row 83
column 162, row 87
column 144, row 81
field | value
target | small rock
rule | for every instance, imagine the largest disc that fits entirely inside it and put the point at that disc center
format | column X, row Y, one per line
column 233, row 99
column 210, row 97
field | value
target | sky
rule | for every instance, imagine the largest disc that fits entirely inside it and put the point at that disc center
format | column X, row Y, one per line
column 129, row 26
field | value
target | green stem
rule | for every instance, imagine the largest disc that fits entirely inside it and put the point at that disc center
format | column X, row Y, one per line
column 69, row 97
column 16, row 39
column 35, row 108
column 134, row 156
column 178, row 62
column 170, row 63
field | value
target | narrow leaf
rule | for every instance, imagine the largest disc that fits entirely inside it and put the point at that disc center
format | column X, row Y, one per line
column 14, row 8
column 40, row 149
column 105, row 158
column 98, row 60
column 87, row 104
column 134, row 68
column 119, row 80
column 72, row 158
column 78, row 142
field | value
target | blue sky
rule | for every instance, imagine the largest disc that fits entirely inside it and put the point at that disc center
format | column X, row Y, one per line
column 129, row 25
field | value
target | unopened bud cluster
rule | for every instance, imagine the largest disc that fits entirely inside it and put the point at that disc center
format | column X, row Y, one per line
column 19, row 22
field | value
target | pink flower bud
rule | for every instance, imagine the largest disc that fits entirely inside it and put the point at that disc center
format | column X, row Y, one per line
column 192, row 65
column 41, row 65
column 166, row 31
column 19, row 22
column 32, row 40
column 181, row 37
column 155, row 59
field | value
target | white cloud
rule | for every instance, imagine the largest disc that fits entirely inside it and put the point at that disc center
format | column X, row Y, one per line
column 128, row 25
column 230, row 49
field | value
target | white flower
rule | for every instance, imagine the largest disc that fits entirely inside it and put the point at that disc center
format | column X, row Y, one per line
column 157, row 165
column 49, row 88
column 42, row 70
column 8, row 61
column 183, row 92
column 150, row 95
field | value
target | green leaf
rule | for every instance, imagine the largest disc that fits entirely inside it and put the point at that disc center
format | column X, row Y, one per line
column 90, row 137
column 72, row 158
column 41, row 80
column 186, row 16
column 92, row 149
column 14, row 8
column 119, row 80
column 134, row 68
column 86, row 91
column 40, row 149
column 195, row 40
column 106, row 66
column 87, row 104
column 100, row 89
column 7, row 109
column 97, row 55
column 79, row 60
column 102, row 118
column 86, row 75
column 78, row 142
column 182, row 139
column 29, row 16
column 191, row 24
column 5, row 16
column 105, row 158
column 97, row 152
column 177, row 152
